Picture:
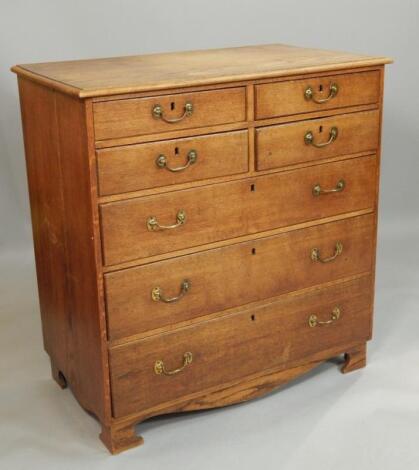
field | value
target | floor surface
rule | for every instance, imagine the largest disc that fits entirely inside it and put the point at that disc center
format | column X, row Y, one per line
column 368, row 419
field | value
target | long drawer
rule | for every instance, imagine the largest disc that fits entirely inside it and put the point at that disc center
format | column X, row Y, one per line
column 227, row 277
column 135, row 167
column 130, row 229
column 223, row 350
column 306, row 141
column 316, row 94
column 138, row 116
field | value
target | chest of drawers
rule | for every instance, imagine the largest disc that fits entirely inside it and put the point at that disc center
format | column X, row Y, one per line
column 204, row 223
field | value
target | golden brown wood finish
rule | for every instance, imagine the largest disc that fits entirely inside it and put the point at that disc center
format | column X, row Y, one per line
column 254, row 205
column 228, row 242
column 285, row 145
column 60, row 182
column 253, row 340
column 124, row 118
column 102, row 77
column 250, row 124
column 235, row 275
column 47, row 211
column 132, row 168
column 236, row 391
column 284, row 98
column 246, row 248
column 117, row 438
column 355, row 358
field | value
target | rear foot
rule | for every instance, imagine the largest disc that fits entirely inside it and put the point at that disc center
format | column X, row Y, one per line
column 355, row 358
column 58, row 376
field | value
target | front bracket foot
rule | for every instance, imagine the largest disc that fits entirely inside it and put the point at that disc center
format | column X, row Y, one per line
column 118, row 439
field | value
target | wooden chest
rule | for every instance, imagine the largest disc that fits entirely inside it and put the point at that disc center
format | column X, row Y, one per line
column 204, row 222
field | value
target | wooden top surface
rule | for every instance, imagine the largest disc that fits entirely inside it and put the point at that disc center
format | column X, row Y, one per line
column 104, row 77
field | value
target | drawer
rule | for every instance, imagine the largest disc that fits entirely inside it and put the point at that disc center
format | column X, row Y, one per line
column 306, row 141
column 137, row 116
column 135, row 167
column 316, row 94
column 236, row 346
column 223, row 278
column 227, row 210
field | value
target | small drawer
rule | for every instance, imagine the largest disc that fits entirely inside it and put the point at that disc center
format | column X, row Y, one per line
column 135, row 167
column 162, row 368
column 159, row 294
column 316, row 94
column 306, row 141
column 152, row 225
column 156, row 114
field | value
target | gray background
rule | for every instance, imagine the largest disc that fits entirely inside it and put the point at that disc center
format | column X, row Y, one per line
column 369, row 419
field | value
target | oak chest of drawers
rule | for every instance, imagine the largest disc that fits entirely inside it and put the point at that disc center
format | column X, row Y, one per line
column 204, row 222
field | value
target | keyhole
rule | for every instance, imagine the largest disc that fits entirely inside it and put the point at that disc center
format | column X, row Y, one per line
column 321, row 129
column 320, row 88
column 176, row 150
column 172, row 105
column 252, row 187
column 253, row 251
column 253, row 317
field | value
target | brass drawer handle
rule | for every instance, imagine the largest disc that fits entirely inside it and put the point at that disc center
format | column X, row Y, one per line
column 158, row 113
column 160, row 369
column 153, row 224
column 315, row 254
column 158, row 296
column 192, row 156
column 309, row 138
column 309, row 94
column 318, row 191
column 313, row 320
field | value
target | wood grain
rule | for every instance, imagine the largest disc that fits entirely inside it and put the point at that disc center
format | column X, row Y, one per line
column 102, row 77
column 120, row 438
column 121, row 435
column 124, row 118
column 250, row 124
column 252, row 341
column 254, row 205
column 47, row 212
column 64, row 237
column 355, row 358
column 133, row 168
column 234, row 275
column 286, row 98
column 284, row 144
column 244, row 238
column 91, row 143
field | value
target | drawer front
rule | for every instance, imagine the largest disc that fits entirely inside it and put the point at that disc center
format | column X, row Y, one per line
column 227, row 210
column 306, row 141
column 334, row 91
column 150, row 165
column 137, row 116
column 235, row 275
column 223, row 350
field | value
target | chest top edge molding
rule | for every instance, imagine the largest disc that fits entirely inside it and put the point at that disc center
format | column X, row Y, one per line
column 152, row 72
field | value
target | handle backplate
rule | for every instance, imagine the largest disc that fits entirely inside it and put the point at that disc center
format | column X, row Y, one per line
column 153, row 224
column 310, row 95
column 314, row 321
column 318, row 191
column 316, row 256
column 158, row 113
column 309, row 138
column 158, row 296
column 191, row 158
column 160, row 369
